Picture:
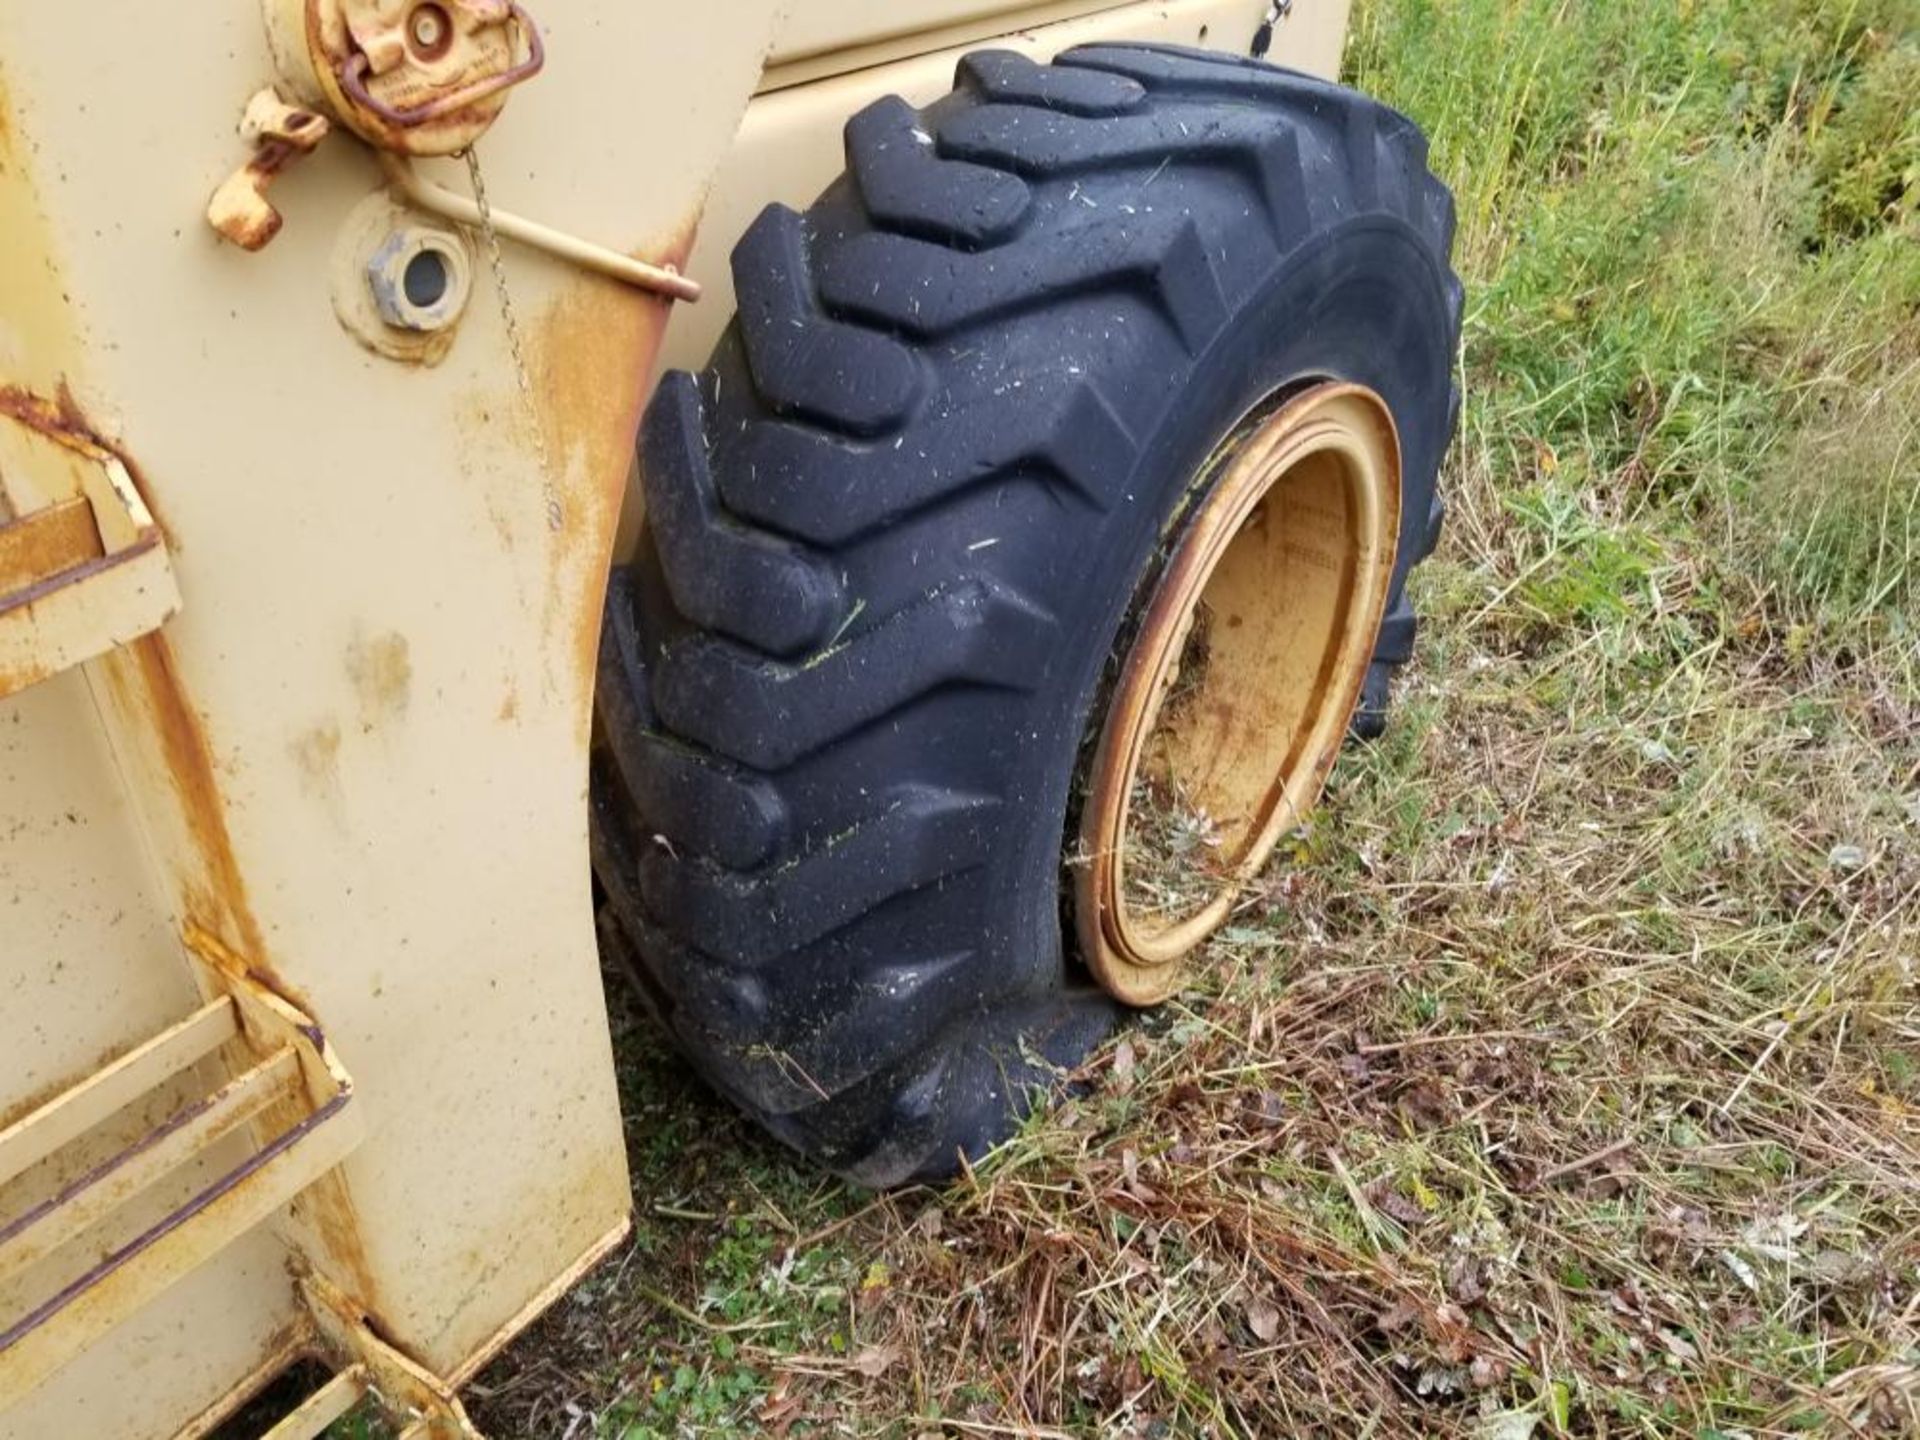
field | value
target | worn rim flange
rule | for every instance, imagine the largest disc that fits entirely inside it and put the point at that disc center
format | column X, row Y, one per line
column 1293, row 543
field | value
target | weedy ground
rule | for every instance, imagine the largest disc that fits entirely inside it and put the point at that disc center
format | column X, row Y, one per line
column 1564, row 1076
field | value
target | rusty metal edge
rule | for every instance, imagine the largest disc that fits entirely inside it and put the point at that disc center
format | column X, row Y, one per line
column 541, row 1302
column 293, row 1344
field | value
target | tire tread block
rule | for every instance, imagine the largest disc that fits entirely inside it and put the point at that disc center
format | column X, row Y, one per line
column 804, row 362
column 724, row 576
column 910, row 187
column 749, row 919
column 769, row 714
column 929, row 291
column 1010, row 77
column 801, row 482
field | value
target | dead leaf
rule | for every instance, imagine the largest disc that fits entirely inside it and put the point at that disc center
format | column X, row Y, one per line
column 1123, row 1064
column 1425, row 1104
column 1508, row 1425
column 1839, row 1269
column 780, row 1409
column 1407, row 1211
column 1269, row 1109
column 1485, row 1372
column 1183, row 1093
column 1678, row 1346
column 1463, row 1280
column 875, row 1360
column 1398, row 1316
column 1263, row 1319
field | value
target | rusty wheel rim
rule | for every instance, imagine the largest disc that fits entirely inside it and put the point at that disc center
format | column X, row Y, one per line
column 1240, row 682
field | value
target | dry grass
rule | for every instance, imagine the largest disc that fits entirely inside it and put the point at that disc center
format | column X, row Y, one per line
column 1567, row 1079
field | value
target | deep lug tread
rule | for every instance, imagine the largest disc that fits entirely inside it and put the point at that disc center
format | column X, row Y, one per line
column 798, row 481
column 768, row 715
column 805, row 363
column 910, row 187
column 725, row 813
column 928, row 291
column 722, row 811
column 613, row 843
column 1204, row 74
column 623, row 695
column 787, row 1069
column 1049, row 146
column 921, row 837
column 1012, row 78
column 723, row 576
column 899, row 1006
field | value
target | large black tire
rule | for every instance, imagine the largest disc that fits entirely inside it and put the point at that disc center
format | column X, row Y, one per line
column 895, row 530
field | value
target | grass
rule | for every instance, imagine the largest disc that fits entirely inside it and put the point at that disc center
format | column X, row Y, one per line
column 1566, row 1080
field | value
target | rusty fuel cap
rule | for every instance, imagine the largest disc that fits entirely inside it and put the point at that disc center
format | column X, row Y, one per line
column 415, row 77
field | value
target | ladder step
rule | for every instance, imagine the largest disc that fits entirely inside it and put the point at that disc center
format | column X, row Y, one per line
column 67, row 1116
column 293, row 1090
column 169, row 1145
column 320, row 1409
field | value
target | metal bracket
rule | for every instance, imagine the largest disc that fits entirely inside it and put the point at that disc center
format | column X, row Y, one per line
column 423, row 1403
column 83, row 566
column 451, row 205
column 280, row 134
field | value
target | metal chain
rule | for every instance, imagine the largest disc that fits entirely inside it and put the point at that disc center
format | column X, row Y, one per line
column 556, row 512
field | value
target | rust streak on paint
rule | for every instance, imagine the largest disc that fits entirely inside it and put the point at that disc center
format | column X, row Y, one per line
column 146, row 677
column 592, row 357
column 325, row 1208
column 45, row 543
column 58, row 419
column 218, row 920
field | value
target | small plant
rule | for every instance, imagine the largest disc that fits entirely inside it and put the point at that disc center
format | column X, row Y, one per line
column 1173, row 863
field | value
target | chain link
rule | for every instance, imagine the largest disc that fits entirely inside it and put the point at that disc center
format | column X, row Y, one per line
column 556, row 511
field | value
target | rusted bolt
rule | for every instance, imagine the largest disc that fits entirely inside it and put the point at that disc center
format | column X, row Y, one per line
column 420, row 278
